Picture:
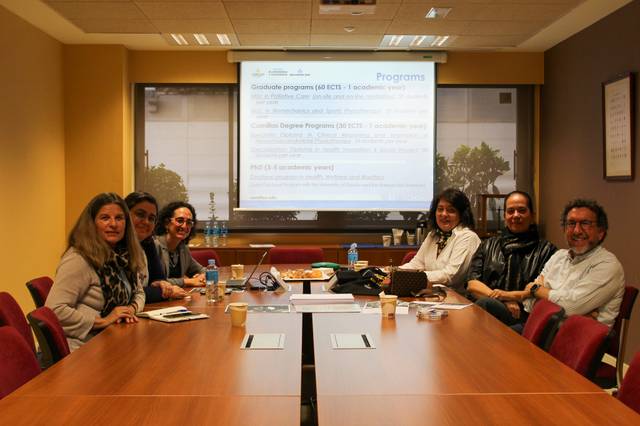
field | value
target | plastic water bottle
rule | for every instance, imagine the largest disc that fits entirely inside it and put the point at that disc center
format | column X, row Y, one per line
column 352, row 256
column 211, row 277
column 224, row 231
column 215, row 232
column 207, row 235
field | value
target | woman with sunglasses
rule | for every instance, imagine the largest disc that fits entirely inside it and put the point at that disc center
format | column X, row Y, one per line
column 174, row 229
column 144, row 213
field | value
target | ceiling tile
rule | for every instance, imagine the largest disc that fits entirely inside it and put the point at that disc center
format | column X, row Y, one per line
column 193, row 26
column 112, row 26
column 97, row 10
column 269, row 10
column 321, row 26
column 346, row 41
column 274, row 40
column 182, row 10
column 271, row 26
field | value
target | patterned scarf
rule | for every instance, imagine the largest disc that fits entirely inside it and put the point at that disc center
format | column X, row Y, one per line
column 114, row 275
column 443, row 237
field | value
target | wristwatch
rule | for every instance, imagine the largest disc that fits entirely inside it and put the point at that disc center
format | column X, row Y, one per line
column 533, row 289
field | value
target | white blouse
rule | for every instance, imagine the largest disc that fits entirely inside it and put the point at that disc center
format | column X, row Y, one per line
column 450, row 268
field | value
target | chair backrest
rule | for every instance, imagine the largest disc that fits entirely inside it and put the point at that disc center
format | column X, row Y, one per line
column 202, row 256
column 629, row 392
column 296, row 255
column 18, row 363
column 50, row 335
column 11, row 314
column 580, row 344
column 39, row 289
column 626, row 307
column 542, row 323
column 408, row 256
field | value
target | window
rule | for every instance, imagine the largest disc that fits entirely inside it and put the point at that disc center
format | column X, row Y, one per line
column 186, row 149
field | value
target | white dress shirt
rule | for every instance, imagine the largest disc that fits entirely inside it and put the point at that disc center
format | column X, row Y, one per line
column 584, row 283
column 450, row 267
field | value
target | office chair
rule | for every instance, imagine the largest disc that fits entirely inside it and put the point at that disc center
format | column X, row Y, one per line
column 51, row 337
column 11, row 314
column 608, row 376
column 408, row 256
column 629, row 392
column 39, row 289
column 542, row 324
column 18, row 364
column 296, row 255
column 580, row 344
column 202, row 256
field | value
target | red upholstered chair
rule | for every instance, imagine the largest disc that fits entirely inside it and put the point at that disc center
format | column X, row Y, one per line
column 580, row 344
column 39, row 289
column 18, row 364
column 407, row 257
column 629, row 392
column 50, row 335
column 296, row 255
column 542, row 323
column 202, row 256
column 11, row 314
column 607, row 375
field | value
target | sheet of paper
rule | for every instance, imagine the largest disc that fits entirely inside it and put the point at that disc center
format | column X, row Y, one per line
column 339, row 308
column 263, row 341
column 352, row 341
column 261, row 245
column 441, row 305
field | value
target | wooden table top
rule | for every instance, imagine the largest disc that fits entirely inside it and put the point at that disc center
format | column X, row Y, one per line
column 465, row 369
column 157, row 410
column 201, row 357
column 476, row 409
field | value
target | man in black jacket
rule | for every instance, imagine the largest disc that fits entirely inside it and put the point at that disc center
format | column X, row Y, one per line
column 503, row 265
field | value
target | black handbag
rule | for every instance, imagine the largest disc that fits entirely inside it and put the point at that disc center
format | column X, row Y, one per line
column 364, row 282
column 407, row 283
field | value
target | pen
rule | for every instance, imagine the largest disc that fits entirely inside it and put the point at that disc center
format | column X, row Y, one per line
column 181, row 311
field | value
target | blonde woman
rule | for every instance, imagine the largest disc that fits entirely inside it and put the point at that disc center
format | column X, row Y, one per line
column 99, row 280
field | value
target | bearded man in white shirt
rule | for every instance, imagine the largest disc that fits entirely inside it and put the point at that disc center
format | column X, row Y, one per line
column 586, row 279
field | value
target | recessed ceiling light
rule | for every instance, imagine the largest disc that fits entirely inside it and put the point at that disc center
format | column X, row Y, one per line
column 417, row 40
column 440, row 40
column 223, row 39
column 437, row 12
column 178, row 38
column 202, row 39
column 349, row 28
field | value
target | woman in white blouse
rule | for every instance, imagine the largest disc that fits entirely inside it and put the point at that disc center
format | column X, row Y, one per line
column 447, row 251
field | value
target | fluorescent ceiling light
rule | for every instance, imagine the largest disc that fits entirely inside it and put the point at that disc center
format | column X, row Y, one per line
column 202, row 39
column 417, row 40
column 395, row 40
column 223, row 39
column 440, row 40
column 437, row 12
column 178, row 38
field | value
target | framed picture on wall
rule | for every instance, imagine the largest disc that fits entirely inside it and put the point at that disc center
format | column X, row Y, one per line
column 618, row 126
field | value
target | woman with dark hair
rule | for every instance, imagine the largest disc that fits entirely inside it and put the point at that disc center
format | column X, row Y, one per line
column 100, row 276
column 451, row 242
column 175, row 227
column 144, row 213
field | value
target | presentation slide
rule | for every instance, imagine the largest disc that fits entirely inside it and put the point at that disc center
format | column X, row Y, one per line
column 336, row 136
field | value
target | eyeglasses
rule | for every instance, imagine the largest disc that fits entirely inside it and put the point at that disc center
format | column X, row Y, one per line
column 584, row 224
column 182, row 221
column 141, row 215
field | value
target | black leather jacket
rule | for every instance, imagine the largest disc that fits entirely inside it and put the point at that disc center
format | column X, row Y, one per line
column 510, row 261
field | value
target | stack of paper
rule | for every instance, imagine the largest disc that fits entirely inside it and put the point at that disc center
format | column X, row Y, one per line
column 320, row 299
column 172, row 314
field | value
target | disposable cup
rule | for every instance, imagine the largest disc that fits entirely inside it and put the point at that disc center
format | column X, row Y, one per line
column 388, row 304
column 386, row 240
column 411, row 239
column 238, row 312
column 222, row 287
column 237, row 272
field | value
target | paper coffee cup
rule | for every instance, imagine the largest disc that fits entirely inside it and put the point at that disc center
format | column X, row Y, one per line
column 222, row 287
column 388, row 304
column 237, row 272
column 238, row 311
column 411, row 239
column 386, row 240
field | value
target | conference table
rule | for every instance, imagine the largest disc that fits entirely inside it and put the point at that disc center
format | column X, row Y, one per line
column 465, row 369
